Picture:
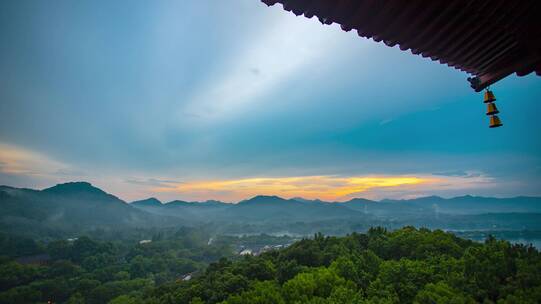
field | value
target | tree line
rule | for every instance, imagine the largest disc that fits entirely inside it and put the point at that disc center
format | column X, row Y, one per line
column 407, row 265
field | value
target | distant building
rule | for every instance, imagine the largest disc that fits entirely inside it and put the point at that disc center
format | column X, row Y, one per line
column 246, row 252
column 187, row 277
column 141, row 242
column 265, row 248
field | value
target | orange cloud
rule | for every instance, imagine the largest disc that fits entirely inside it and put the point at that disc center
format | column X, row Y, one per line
column 19, row 161
column 312, row 187
column 39, row 169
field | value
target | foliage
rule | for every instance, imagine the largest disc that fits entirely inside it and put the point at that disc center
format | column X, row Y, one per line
column 86, row 270
column 403, row 266
column 407, row 265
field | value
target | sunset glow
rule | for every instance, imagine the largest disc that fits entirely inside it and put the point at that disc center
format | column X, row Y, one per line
column 310, row 187
column 18, row 161
column 192, row 104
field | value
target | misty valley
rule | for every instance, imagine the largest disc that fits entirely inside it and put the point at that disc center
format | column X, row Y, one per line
column 74, row 243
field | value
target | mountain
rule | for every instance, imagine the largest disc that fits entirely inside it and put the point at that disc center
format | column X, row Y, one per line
column 149, row 202
column 80, row 207
column 257, row 209
column 77, row 189
column 384, row 208
column 303, row 200
column 462, row 205
column 274, row 208
column 472, row 204
column 188, row 213
column 265, row 200
column 76, row 206
column 213, row 203
column 205, row 204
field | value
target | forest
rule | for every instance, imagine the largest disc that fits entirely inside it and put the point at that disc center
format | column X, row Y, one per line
column 407, row 265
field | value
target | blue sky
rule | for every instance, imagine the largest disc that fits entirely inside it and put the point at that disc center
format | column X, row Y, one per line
column 226, row 99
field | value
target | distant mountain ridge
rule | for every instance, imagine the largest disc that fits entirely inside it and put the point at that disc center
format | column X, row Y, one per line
column 149, row 202
column 74, row 188
column 80, row 206
column 469, row 204
column 273, row 207
column 70, row 206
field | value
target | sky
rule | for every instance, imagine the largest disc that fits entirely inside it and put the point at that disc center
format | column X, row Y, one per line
column 198, row 100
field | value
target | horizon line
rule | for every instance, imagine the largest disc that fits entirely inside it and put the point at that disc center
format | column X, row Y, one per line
column 296, row 198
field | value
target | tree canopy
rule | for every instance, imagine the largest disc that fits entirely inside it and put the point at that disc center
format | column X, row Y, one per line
column 407, row 265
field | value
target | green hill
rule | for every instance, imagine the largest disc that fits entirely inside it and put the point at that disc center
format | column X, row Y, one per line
column 68, row 207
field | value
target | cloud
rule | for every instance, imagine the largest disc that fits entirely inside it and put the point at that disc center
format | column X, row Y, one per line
column 322, row 187
column 21, row 167
column 331, row 187
column 19, row 161
column 447, row 186
column 152, row 182
column 459, row 173
column 283, row 48
column 315, row 96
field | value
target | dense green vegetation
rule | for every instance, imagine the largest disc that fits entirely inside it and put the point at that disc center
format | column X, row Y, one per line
column 90, row 271
column 408, row 265
column 74, row 243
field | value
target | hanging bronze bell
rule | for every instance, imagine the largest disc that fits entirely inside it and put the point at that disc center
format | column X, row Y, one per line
column 491, row 109
column 495, row 122
column 489, row 96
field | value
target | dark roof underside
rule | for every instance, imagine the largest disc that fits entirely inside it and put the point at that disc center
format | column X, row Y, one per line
column 489, row 39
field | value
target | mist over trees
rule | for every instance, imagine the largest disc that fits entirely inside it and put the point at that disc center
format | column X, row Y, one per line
column 69, row 209
column 407, row 265
column 74, row 243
